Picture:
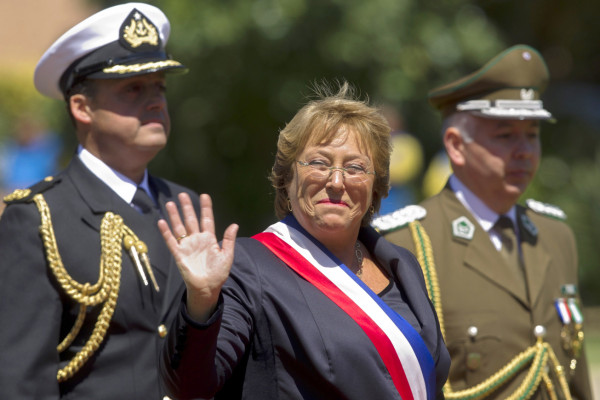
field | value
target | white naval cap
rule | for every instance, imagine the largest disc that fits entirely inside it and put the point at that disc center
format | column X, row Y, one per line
column 117, row 42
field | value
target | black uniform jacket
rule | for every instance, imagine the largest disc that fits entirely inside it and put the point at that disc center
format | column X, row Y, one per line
column 36, row 313
column 276, row 336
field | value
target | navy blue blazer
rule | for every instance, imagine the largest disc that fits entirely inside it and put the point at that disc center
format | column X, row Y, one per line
column 276, row 336
column 36, row 313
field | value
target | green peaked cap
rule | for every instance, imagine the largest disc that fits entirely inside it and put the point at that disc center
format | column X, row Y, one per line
column 509, row 86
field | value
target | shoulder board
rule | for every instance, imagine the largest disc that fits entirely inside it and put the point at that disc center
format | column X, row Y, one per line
column 398, row 219
column 25, row 195
column 546, row 209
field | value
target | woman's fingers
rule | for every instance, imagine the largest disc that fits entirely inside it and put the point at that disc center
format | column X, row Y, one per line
column 189, row 225
column 203, row 263
column 207, row 219
column 167, row 235
column 228, row 243
column 202, row 235
column 177, row 227
column 190, row 219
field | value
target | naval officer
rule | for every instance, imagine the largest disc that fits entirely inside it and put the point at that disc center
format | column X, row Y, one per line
column 87, row 282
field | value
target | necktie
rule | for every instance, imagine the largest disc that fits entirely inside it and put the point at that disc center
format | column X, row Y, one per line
column 142, row 201
column 510, row 252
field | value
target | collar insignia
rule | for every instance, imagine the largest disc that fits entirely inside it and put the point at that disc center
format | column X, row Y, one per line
column 528, row 225
column 463, row 228
column 138, row 30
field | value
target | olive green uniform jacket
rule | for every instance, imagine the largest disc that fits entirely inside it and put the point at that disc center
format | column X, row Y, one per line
column 477, row 291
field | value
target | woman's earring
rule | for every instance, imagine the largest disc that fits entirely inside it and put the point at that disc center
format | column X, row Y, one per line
column 371, row 210
column 289, row 205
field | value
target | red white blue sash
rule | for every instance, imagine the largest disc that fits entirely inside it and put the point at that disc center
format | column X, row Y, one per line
column 399, row 345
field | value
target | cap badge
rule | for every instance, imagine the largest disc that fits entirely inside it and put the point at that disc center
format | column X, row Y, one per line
column 138, row 30
column 463, row 228
column 527, row 94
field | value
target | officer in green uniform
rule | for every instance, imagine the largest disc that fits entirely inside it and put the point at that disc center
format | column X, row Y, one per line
column 87, row 284
column 502, row 276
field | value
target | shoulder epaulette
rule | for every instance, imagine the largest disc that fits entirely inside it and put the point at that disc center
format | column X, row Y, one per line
column 25, row 195
column 398, row 219
column 546, row 209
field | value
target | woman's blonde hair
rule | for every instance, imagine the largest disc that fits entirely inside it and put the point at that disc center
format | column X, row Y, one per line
column 318, row 122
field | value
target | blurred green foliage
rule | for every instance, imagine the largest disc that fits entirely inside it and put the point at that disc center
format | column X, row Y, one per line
column 18, row 97
column 252, row 63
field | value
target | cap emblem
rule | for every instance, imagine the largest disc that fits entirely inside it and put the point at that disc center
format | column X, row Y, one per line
column 137, row 30
column 527, row 94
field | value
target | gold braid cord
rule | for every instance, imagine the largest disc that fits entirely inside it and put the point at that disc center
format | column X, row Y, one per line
column 104, row 292
column 540, row 356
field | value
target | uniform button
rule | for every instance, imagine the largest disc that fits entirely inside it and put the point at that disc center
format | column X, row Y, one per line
column 472, row 332
column 539, row 331
column 167, row 398
column 162, row 331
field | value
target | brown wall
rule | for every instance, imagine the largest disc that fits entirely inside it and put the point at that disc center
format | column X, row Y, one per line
column 29, row 27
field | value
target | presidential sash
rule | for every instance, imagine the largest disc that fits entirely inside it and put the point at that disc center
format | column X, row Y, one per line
column 399, row 345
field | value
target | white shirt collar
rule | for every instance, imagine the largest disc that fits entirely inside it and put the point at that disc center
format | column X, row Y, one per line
column 482, row 213
column 124, row 187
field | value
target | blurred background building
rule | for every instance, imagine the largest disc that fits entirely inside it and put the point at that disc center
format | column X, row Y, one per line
column 30, row 147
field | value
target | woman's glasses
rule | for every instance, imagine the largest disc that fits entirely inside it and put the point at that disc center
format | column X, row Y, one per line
column 352, row 173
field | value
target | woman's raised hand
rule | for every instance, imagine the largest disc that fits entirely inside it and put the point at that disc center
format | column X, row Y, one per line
column 202, row 262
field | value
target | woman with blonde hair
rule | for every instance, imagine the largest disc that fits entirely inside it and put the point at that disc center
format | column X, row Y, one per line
column 319, row 305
